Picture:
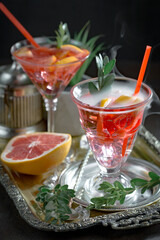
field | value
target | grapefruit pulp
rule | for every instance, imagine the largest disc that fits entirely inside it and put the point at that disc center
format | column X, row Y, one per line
column 36, row 153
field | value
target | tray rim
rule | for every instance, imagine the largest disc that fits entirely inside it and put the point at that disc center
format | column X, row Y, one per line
column 132, row 218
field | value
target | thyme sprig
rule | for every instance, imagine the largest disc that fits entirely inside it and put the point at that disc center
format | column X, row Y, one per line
column 56, row 203
column 105, row 77
column 116, row 192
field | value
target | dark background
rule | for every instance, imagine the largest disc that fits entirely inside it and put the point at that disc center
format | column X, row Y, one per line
column 132, row 24
column 129, row 24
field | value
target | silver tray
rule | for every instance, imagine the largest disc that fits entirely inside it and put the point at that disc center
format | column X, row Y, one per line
column 133, row 168
column 147, row 147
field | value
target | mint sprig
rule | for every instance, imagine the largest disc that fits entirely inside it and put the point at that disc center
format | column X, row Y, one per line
column 116, row 192
column 62, row 34
column 105, row 77
column 55, row 203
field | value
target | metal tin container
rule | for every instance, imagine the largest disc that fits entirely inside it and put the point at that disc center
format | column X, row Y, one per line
column 21, row 105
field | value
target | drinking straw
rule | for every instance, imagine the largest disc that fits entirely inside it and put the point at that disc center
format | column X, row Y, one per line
column 18, row 24
column 143, row 69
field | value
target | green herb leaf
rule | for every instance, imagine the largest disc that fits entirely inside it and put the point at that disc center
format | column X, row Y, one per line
column 79, row 36
column 118, row 185
column 108, row 80
column 153, row 176
column 105, row 77
column 144, row 189
column 122, row 199
column 105, row 185
column 117, row 192
column 113, row 192
column 109, row 66
column 56, row 202
column 62, row 34
column 90, row 44
column 93, row 88
column 106, row 60
column 139, row 182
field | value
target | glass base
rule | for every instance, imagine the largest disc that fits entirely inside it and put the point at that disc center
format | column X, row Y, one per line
column 133, row 168
column 91, row 187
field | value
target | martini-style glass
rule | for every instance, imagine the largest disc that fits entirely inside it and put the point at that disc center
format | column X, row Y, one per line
column 49, row 68
column 111, row 131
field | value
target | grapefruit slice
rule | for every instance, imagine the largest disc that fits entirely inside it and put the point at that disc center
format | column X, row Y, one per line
column 36, row 153
column 67, row 60
column 72, row 48
column 105, row 102
column 123, row 99
column 24, row 52
column 52, row 59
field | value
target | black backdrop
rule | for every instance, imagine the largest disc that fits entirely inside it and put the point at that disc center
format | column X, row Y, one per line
column 130, row 23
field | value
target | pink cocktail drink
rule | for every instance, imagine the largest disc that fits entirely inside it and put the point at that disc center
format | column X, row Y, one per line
column 111, row 130
column 111, row 135
column 50, row 68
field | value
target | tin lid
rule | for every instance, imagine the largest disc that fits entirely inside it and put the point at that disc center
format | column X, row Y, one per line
column 15, row 82
column 13, row 76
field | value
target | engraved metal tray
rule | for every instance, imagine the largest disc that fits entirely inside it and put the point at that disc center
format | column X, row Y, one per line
column 22, row 189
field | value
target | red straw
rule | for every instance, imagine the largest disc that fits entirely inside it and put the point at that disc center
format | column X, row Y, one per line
column 18, row 25
column 142, row 70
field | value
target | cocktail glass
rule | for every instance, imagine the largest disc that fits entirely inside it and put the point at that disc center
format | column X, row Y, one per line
column 111, row 131
column 49, row 78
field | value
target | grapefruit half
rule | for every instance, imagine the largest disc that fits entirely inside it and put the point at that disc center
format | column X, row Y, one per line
column 36, row 153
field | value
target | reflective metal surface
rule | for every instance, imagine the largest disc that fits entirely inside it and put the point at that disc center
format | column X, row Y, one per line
column 7, row 133
column 13, row 75
column 20, row 102
column 133, row 168
column 128, row 219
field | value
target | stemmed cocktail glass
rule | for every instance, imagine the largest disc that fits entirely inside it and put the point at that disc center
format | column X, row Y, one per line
column 48, row 75
column 111, row 131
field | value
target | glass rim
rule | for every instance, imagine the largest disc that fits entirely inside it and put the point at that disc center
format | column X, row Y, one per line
column 39, row 64
column 112, row 109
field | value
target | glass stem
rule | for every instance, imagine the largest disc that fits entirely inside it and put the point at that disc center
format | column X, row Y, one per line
column 51, row 106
